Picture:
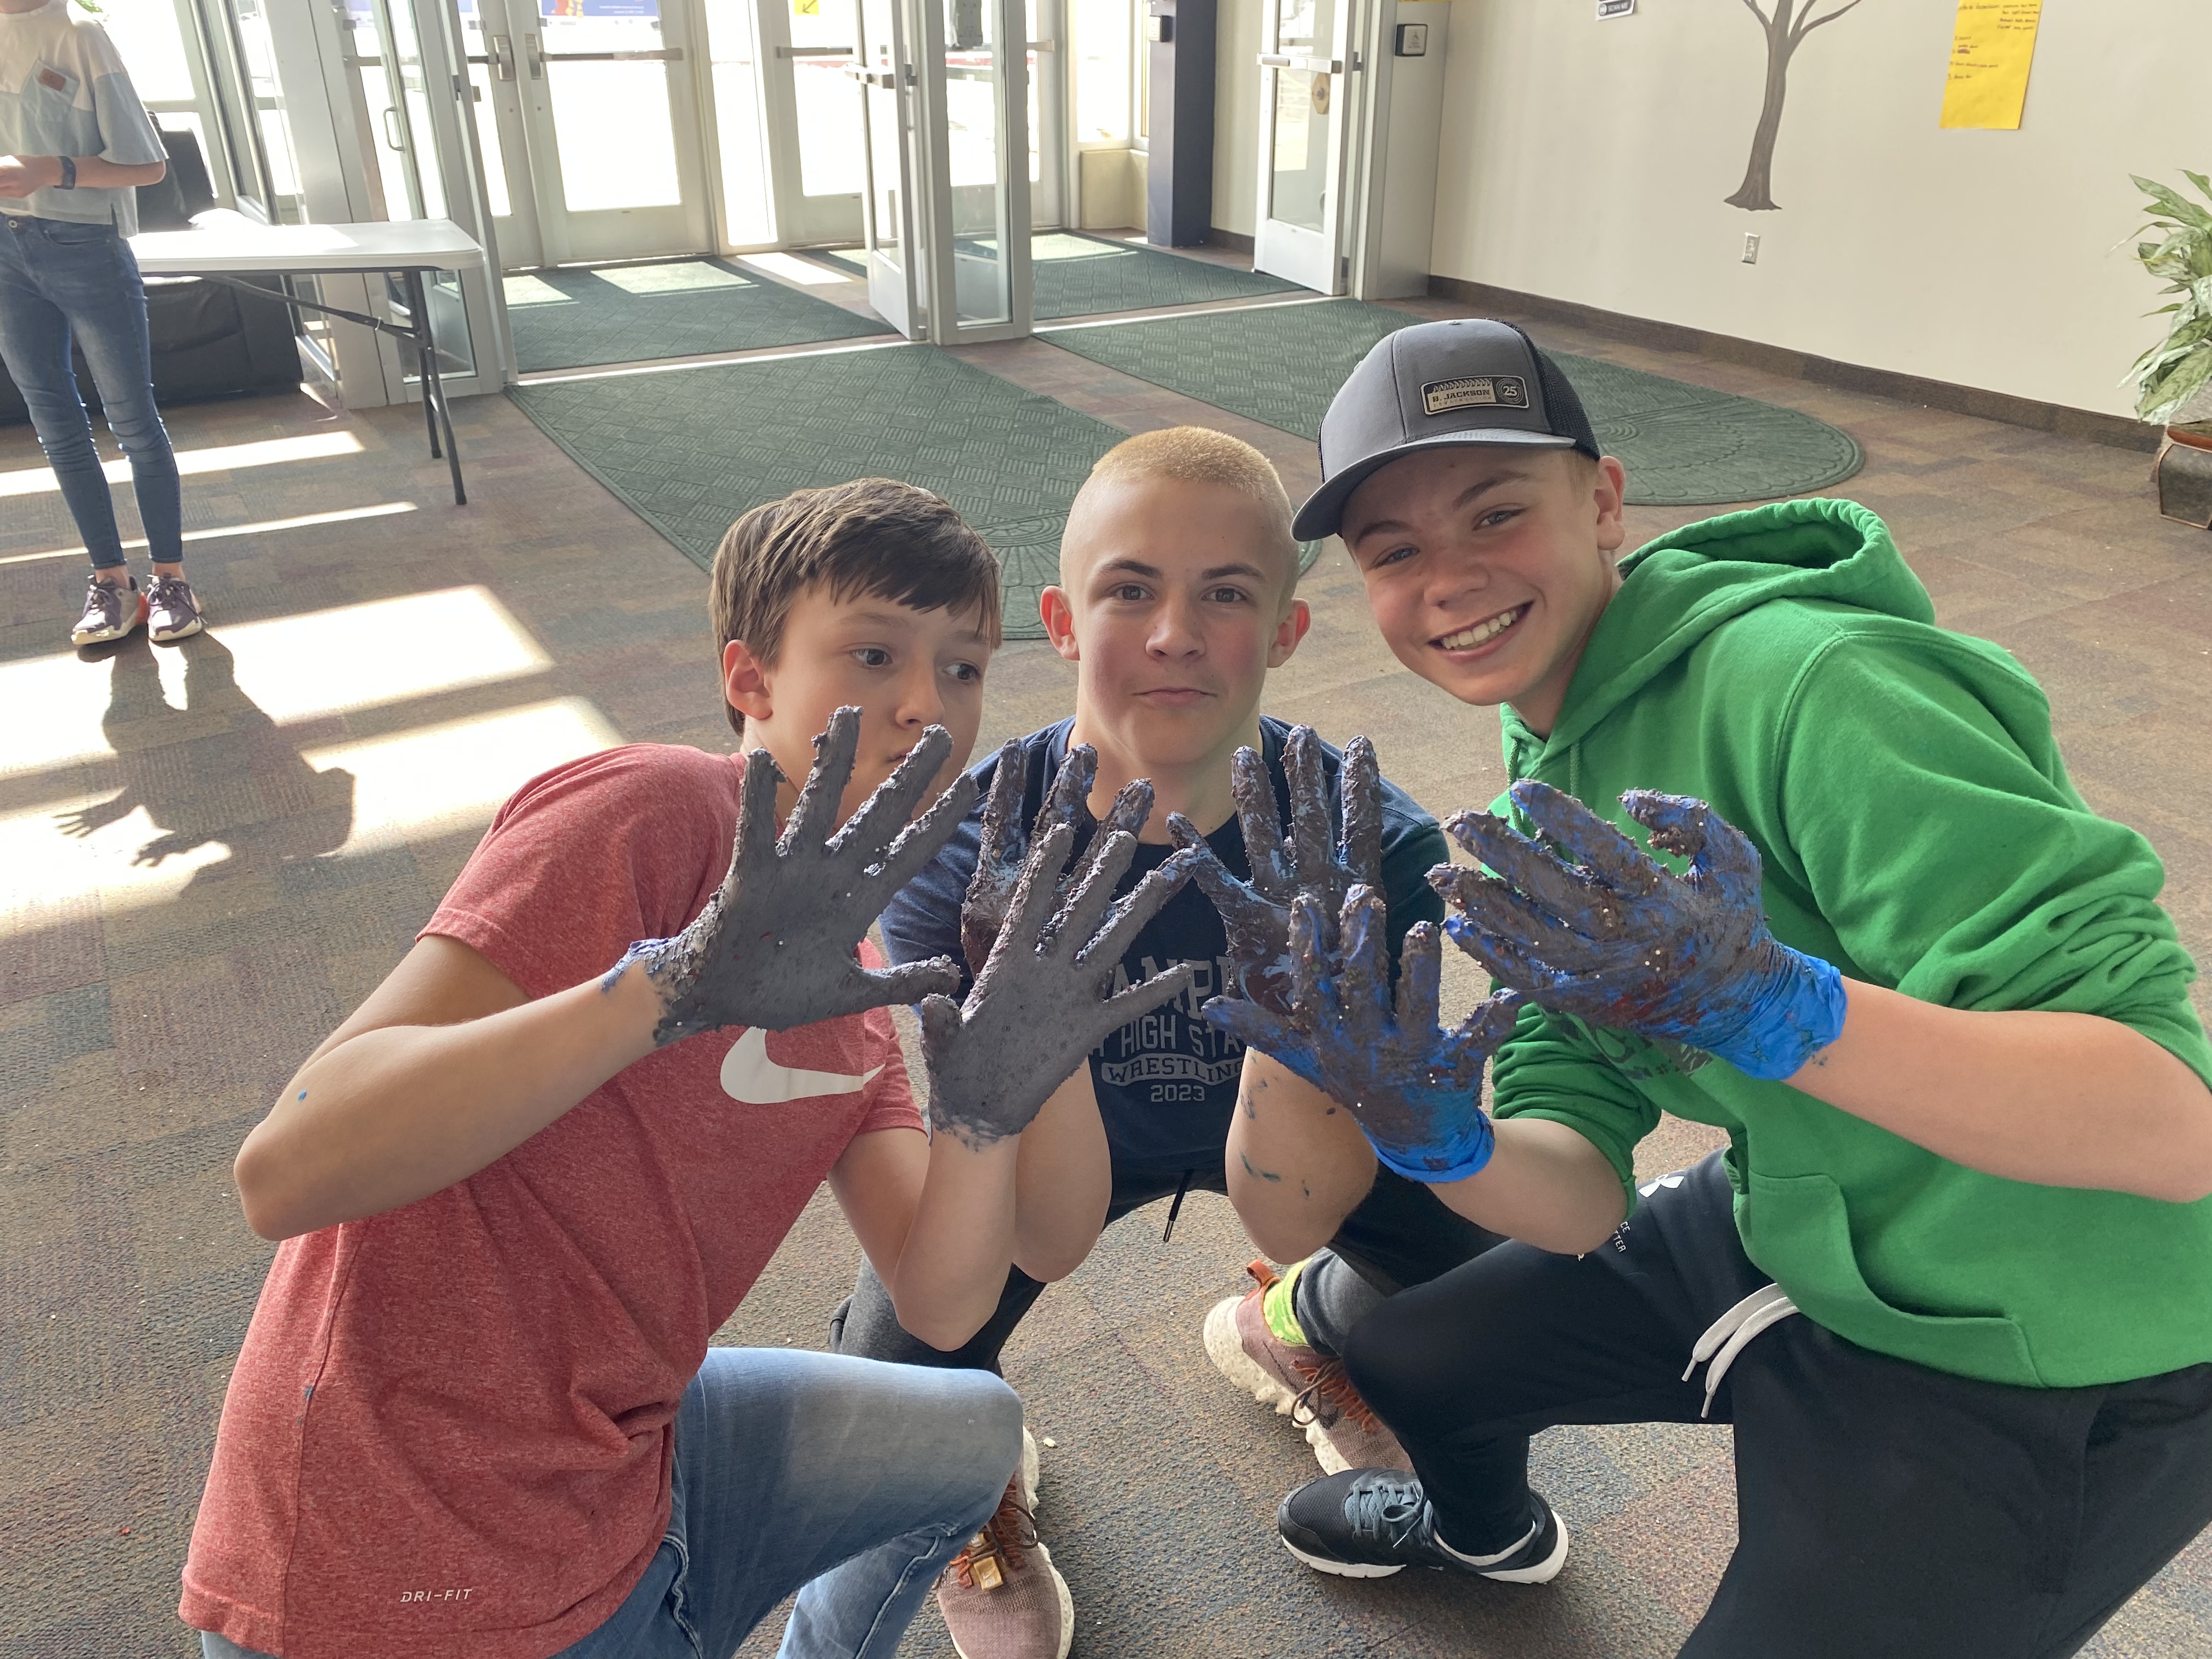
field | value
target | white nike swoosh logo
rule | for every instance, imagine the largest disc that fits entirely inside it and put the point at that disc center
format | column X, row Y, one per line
column 749, row 1075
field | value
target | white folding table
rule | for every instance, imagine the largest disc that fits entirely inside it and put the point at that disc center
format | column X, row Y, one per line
column 222, row 246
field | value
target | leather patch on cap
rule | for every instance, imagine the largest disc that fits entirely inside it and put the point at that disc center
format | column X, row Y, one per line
column 1504, row 391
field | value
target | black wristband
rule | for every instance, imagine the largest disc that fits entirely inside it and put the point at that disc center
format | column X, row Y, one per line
column 67, row 180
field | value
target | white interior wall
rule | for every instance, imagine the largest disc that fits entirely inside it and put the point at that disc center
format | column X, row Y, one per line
column 1587, row 160
column 1236, row 114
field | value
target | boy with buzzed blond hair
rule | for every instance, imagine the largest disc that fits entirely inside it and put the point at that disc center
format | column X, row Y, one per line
column 1177, row 593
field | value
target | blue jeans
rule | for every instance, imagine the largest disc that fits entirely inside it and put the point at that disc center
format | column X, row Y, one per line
column 791, row 1466
column 59, row 281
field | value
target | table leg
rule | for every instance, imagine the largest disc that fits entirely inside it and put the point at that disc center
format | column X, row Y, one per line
column 435, row 412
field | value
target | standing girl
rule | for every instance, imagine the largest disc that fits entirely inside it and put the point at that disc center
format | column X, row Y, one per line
column 75, row 144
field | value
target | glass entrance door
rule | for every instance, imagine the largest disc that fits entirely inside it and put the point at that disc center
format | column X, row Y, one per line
column 597, row 123
column 948, row 199
column 887, row 79
column 1304, row 91
column 811, row 107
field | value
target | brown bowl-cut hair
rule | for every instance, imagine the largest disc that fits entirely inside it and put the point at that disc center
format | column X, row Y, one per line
column 872, row 538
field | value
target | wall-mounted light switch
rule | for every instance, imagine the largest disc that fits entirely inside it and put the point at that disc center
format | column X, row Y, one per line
column 1751, row 248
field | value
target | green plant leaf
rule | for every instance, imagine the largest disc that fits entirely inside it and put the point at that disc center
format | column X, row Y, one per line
column 2164, row 396
column 2173, row 205
column 2203, row 185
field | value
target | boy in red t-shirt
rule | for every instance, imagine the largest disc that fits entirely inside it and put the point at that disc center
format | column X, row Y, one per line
column 477, row 1415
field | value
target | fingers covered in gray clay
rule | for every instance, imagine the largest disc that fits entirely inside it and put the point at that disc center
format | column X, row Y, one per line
column 774, row 947
column 1040, row 1002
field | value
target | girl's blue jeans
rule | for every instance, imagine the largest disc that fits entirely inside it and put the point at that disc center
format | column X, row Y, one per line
column 59, row 283
column 856, row 1479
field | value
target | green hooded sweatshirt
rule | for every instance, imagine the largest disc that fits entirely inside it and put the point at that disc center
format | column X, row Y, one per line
column 1919, row 832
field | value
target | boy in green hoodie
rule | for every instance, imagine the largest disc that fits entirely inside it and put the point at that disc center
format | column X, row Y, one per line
column 1952, row 1278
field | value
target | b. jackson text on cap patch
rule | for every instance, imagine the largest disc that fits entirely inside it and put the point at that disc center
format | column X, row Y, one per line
column 1441, row 396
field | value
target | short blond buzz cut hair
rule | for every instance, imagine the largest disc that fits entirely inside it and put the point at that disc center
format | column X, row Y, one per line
column 1198, row 455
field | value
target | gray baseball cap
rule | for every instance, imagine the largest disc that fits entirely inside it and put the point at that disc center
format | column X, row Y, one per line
column 1439, row 386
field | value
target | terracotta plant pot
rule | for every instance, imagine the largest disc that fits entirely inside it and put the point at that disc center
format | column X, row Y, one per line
column 2183, row 474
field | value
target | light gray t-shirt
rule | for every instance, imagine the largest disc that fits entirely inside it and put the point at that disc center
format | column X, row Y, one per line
column 64, row 91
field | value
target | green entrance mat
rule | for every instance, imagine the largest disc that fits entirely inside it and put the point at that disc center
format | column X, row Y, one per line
column 691, row 449
column 1683, row 445
column 1077, row 275
column 633, row 314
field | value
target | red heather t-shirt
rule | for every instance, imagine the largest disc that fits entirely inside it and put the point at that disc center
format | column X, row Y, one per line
column 448, row 1435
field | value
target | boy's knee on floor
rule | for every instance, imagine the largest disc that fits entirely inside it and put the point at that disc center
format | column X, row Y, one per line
column 991, row 1413
column 1376, row 1356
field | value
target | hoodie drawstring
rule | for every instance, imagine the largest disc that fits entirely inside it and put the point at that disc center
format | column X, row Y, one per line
column 1728, row 1335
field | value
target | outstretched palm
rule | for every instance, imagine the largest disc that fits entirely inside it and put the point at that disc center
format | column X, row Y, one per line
column 1003, row 855
column 1587, row 922
column 1041, row 1004
column 1309, row 860
column 774, row 947
column 1415, row 1091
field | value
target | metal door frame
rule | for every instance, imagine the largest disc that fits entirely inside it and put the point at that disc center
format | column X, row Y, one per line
column 518, row 58
column 1345, row 64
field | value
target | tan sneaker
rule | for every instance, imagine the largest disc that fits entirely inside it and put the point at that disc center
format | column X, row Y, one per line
column 1001, row 1596
column 173, row 611
column 1301, row 1383
column 111, row 609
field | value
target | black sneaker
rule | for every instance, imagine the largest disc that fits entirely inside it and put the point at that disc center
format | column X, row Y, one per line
column 1368, row 1523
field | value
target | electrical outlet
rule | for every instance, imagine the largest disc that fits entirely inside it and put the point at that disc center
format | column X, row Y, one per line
column 1751, row 248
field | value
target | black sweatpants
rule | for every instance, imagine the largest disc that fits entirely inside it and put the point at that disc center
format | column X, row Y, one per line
column 1400, row 1233
column 1882, row 1508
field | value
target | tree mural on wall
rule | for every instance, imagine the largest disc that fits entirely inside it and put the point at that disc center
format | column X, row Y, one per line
column 1786, row 30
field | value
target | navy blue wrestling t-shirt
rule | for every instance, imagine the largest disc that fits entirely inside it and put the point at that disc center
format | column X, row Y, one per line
column 1166, row 1083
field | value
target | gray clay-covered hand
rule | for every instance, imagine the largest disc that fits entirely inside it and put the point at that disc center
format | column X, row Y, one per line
column 774, row 947
column 1311, row 859
column 1415, row 1091
column 1041, row 1003
column 1005, row 852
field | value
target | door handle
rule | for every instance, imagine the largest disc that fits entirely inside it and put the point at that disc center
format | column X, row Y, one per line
column 665, row 55
column 392, row 140
column 1044, row 45
column 814, row 51
column 502, row 57
column 1312, row 65
column 1275, row 60
column 536, row 48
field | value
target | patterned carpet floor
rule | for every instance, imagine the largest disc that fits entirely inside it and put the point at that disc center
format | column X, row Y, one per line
column 686, row 308
column 1078, row 276
column 215, row 851
column 691, row 449
column 1683, row 445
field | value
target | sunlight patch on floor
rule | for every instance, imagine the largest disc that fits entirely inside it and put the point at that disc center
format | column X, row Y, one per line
column 793, row 269
column 692, row 276
column 291, row 668
column 343, row 515
column 361, row 797
column 440, row 779
column 224, row 457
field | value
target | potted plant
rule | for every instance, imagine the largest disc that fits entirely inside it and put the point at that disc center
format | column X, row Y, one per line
column 2174, row 377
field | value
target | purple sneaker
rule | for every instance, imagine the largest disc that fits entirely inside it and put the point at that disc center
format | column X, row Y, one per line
column 173, row 610
column 110, row 610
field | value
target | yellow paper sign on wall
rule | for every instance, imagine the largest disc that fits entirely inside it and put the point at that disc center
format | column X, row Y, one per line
column 1992, row 48
column 806, row 7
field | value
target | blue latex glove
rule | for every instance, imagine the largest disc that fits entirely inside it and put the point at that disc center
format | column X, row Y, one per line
column 1415, row 1091
column 1617, row 939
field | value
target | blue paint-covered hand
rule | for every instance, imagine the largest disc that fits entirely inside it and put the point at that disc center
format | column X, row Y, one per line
column 1617, row 939
column 1415, row 1091
column 1312, row 857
